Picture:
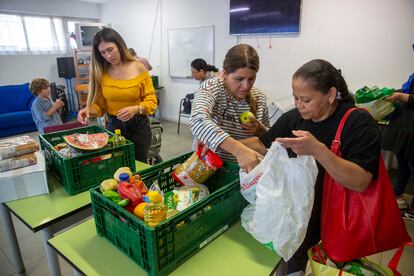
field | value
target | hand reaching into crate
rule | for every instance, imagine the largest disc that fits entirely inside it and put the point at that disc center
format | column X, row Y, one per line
column 85, row 113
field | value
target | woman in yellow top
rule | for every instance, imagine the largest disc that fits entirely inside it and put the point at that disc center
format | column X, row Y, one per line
column 122, row 88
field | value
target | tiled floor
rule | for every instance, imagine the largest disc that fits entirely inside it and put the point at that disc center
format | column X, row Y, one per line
column 172, row 145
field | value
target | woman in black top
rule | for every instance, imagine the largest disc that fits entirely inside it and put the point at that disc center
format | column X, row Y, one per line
column 321, row 99
column 399, row 138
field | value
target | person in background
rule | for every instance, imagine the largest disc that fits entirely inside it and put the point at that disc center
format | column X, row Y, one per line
column 202, row 71
column 45, row 112
column 215, row 118
column 321, row 99
column 398, row 137
column 140, row 59
column 120, row 87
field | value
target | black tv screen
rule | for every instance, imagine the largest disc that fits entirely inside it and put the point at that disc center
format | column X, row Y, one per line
column 264, row 16
column 88, row 33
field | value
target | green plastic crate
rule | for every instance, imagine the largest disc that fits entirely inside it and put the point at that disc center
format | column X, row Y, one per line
column 161, row 249
column 76, row 174
column 155, row 81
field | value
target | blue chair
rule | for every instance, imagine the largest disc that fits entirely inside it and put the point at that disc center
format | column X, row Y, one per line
column 182, row 113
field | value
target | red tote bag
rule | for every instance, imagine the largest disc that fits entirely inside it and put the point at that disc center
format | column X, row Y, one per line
column 354, row 224
column 393, row 264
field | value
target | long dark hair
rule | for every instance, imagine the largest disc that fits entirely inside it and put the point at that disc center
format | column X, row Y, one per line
column 201, row 64
column 322, row 76
column 110, row 35
column 99, row 65
column 242, row 56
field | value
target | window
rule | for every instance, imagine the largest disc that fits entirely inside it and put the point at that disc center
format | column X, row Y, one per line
column 12, row 36
column 30, row 34
column 72, row 36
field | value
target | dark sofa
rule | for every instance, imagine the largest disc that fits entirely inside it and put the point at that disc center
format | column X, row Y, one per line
column 15, row 115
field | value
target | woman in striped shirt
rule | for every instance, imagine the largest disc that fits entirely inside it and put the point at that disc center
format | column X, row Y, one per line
column 220, row 102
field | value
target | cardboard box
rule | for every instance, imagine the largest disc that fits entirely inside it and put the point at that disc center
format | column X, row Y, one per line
column 24, row 182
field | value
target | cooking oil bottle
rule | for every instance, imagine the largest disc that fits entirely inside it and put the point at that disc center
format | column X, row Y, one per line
column 155, row 211
column 118, row 139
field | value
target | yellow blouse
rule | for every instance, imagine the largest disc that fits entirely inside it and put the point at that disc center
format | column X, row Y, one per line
column 117, row 94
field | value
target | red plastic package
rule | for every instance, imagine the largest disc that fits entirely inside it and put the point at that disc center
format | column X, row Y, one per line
column 197, row 169
column 131, row 192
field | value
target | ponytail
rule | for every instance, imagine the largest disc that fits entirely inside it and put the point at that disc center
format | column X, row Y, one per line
column 211, row 68
column 344, row 96
column 200, row 64
column 252, row 102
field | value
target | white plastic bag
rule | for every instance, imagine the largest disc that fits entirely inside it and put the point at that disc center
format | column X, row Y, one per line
column 248, row 181
column 284, row 189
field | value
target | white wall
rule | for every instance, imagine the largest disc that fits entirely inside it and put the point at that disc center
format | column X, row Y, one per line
column 23, row 68
column 16, row 69
column 53, row 7
column 135, row 20
column 369, row 40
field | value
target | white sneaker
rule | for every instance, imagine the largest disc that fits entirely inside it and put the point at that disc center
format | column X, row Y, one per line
column 409, row 214
column 401, row 202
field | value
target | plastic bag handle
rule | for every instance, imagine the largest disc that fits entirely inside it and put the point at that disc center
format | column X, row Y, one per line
column 396, row 258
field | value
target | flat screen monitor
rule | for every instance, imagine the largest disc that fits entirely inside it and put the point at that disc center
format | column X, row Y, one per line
column 85, row 33
column 264, row 16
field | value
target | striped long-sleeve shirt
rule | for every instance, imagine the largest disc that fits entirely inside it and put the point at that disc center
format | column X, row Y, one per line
column 215, row 115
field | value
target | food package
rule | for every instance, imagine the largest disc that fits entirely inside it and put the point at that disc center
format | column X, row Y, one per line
column 183, row 197
column 18, row 162
column 68, row 152
column 17, row 146
column 378, row 109
column 369, row 94
column 197, row 169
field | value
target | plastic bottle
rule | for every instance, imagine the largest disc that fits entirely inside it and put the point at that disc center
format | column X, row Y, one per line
column 155, row 211
column 124, row 177
column 118, row 139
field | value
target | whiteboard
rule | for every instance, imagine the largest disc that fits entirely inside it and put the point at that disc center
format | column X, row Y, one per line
column 187, row 44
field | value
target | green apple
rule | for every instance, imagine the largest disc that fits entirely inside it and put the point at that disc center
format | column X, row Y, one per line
column 246, row 117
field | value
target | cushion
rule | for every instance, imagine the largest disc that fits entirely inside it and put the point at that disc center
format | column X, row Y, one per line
column 12, row 119
column 15, row 98
column 4, row 132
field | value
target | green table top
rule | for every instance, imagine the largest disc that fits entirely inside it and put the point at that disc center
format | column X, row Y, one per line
column 41, row 211
column 234, row 252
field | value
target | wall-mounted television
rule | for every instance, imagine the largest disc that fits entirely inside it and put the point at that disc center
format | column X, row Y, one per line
column 85, row 33
column 264, row 17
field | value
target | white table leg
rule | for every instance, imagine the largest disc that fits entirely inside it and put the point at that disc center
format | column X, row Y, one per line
column 52, row 257
column 11, row 237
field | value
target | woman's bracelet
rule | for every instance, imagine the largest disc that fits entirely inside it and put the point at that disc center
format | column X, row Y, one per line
column 141, row 110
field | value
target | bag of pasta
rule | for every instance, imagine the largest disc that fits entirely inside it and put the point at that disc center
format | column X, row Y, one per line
column 197, row 169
